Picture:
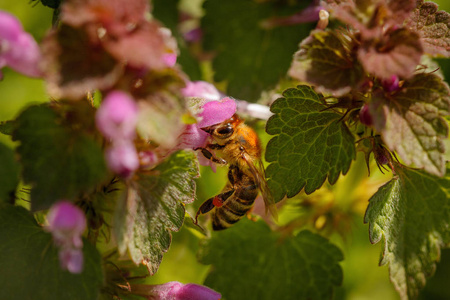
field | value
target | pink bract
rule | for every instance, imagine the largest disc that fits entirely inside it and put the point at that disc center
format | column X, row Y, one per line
column 18, row 49
column 117, row 116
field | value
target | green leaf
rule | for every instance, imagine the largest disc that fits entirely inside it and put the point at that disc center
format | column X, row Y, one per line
column 30, row 265
column 153, row 206
column 311, row 144
column 58, row 161
column 9, row 174
column 411, row 214
column 410, row 121
column 7, row 127
column 304, row 266
column 433, row 26
column 325, row 60
column 249, row 57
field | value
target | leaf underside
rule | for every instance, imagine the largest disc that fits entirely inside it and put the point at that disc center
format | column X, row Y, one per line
column 153, row 206
column 411, row 214
column 411, row 121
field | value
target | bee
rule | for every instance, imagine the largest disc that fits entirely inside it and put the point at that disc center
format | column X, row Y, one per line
column 238, row 146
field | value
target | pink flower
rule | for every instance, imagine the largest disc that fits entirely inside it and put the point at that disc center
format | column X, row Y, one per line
column 117, row 116
column 214, row 112
column 122, row 158
column 18, row 49
column 67, row 222
column 175, row 290
column 201, row 89
column 170, row 59
column 71, row 259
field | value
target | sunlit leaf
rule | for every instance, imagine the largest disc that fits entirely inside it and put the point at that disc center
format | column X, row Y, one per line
column 433, row 26
column 58, row 161
column 30, row 265
column 9, row 174
column 411, row 214
column 411, row 121
column 326, row 61
column 249, row 57
column 311, row 144
column 152, row 206
column 252, row 262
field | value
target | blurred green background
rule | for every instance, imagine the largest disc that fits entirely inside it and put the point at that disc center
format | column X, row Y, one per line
column 363, row 279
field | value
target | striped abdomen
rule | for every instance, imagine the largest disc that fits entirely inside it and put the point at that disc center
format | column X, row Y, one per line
column 237, row 205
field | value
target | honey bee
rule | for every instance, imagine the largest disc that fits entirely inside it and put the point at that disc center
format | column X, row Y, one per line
column 238, row 146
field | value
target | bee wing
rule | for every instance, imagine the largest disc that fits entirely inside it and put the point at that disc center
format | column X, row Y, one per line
column 259, row 174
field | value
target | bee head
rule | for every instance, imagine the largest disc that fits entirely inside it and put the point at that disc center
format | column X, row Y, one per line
column 223, row 130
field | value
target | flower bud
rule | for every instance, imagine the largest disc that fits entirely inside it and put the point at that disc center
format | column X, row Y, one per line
column 117, row 116
column 364, row 115
column 391, row 84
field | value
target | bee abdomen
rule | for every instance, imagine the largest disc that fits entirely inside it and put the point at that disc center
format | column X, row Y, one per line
column 235, row 207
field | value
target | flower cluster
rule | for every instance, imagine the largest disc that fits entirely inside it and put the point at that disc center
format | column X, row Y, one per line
column 116, row 119
column 67, row 223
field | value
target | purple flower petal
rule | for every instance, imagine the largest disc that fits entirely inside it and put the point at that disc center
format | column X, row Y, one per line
column 122, row 158
column 215, row 112
column 67, row 223
column 10, row 27
column 197, row 292
column 201, row 89
column 192, row 137
column 117, row 116
column 18, row 49
column 71, row 259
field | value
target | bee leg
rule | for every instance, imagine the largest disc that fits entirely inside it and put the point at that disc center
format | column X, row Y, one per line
column 216, row 201
column 206, row 153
